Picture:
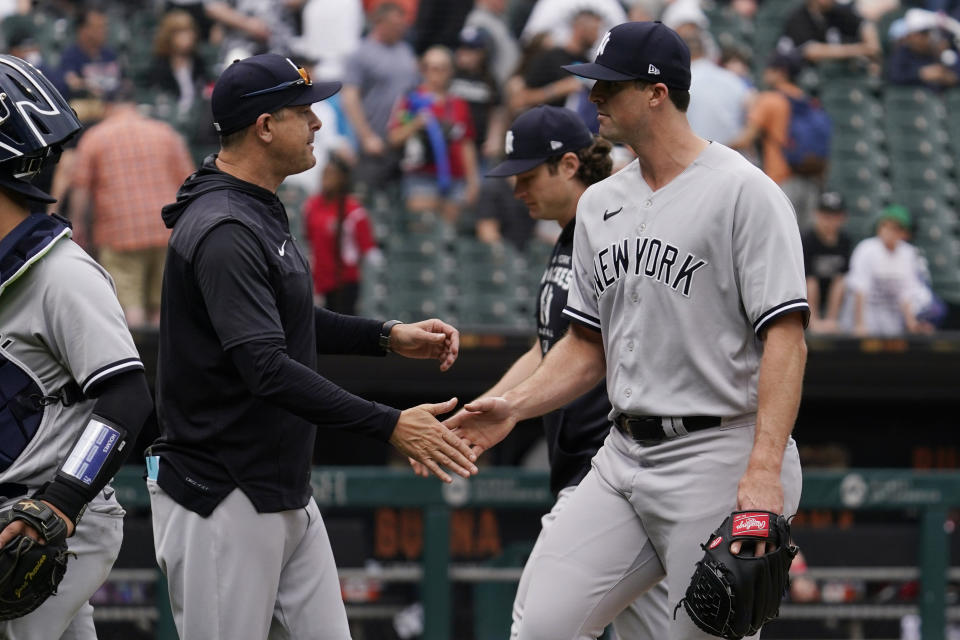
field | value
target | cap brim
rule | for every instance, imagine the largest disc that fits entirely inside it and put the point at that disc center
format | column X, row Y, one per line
column 597, row 72
column 514, row 166
column 316, row 92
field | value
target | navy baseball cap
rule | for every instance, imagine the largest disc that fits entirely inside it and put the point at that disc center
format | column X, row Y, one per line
column 474, row 38
column 648, row 51
column 539, row 134
column 262, row 84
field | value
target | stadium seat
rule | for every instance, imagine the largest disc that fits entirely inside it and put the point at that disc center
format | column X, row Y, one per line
column 913, row 100
column 922, row 203
column 856, row 173
column 910, row 177
column 480, row 309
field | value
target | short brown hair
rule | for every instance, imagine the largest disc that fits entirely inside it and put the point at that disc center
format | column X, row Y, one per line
column 679, row 97
column 385, row 9
column 595, row 162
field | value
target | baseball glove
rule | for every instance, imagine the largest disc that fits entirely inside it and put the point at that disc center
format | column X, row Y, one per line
column 732, row 596
column 30, row 571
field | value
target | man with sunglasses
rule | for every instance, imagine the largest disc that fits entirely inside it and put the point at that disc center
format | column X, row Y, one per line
column 688, row 292
column 236, row 529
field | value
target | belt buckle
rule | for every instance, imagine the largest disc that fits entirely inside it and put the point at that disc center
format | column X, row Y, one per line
column 645, row 420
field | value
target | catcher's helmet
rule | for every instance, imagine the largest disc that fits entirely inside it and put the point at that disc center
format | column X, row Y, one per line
column 35, row 120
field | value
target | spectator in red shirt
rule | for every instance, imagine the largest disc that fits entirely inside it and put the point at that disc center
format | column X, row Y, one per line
column 340, row 237
column 435, row 130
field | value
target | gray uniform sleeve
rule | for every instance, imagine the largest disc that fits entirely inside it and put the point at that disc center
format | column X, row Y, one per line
column 767, row 254
column 85, row 324
column 582, row 304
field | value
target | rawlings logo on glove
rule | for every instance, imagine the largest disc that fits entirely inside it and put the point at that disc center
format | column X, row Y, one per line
column 30, row 571
column 732, row 596
column 756, row 523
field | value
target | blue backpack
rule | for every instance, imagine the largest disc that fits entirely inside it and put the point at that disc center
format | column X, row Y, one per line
column 808, row 144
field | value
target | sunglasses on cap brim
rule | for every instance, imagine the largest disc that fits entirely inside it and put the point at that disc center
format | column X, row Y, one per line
column 304, row 81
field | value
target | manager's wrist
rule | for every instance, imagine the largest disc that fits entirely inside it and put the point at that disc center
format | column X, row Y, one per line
column 385, row 329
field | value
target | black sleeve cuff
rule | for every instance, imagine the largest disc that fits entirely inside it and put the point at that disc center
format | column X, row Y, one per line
column 391, row 417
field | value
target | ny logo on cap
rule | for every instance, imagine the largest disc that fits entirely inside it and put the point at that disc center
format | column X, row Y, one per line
column 603, row 43
column 652, row 70
column 555, row 144
column 508, row 143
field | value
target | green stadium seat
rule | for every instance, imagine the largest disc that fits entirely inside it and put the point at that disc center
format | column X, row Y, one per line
column 412, row 303
column 489, row 310
column 860, row 226
column 933, row 235
column 843, row 73
column 485, row 277
column 929, row 179
column 852, row 94
column 863, row 144
column 943, row 258
column 856, row 173
column 922, row 203
column 914, row 101
column 864, row 203
column 730, row 29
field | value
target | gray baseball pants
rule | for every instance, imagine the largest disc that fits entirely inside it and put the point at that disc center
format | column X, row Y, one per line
column 639, row 515
column 68, row 615
column 242, row 574
column 646, row 618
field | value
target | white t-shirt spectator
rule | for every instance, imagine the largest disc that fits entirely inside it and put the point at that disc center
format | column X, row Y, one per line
column 887, row 280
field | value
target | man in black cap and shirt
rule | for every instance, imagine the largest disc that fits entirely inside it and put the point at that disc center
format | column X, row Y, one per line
column 826, row 260
column 236, row 529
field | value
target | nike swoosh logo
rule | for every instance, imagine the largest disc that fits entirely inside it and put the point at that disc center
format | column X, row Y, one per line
column 281, row 249
column 606, row 214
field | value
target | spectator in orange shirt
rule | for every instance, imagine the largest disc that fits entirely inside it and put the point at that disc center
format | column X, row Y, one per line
column 768, row 122
column 127, row 167
column 340, row 236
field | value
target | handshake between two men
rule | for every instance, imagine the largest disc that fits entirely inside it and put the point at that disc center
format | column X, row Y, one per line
column 454, row 444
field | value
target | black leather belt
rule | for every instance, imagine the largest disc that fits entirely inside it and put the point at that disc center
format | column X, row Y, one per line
column 12, row 490
column 650, row 430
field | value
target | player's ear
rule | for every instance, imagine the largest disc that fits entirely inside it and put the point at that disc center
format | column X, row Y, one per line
column 264, row 126
column 659, row 94
column 569, row 164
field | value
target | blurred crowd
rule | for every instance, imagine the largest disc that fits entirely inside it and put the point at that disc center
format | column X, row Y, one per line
column 429, row 87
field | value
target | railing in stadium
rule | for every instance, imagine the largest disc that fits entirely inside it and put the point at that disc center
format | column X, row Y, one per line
column 930, row 494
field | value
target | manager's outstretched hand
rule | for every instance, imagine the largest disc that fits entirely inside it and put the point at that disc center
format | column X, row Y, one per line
column 483, row 423
column 427, row 339
column 418, row 435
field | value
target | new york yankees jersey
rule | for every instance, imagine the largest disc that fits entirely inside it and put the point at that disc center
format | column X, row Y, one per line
column 575, row 431
column 682, row 281
column 60, row 323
